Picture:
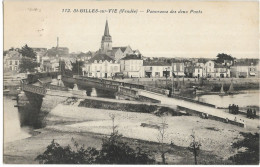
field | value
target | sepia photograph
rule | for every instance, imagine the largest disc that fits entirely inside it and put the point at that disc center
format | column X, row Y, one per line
column 130, row 82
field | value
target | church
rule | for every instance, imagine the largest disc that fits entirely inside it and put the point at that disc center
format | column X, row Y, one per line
column 105, row 62
column 116, row 53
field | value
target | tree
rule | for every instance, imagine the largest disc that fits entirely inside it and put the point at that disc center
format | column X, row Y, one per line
column 27, row 64
column 222, row 56
column 5, row 52
column 77, row 67
column 194, row 147
column 27, row 52
column 161, row 138
column 116, row 151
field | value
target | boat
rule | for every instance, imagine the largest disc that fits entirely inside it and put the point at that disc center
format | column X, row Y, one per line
column 231, row 89
column 222, row 92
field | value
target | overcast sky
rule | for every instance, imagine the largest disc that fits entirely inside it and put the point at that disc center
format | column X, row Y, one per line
column 222, row 27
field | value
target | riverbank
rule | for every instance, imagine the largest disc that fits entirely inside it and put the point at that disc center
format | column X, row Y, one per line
column 88, row 125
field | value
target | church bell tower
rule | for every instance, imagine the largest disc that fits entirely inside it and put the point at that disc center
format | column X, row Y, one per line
column 106, row 43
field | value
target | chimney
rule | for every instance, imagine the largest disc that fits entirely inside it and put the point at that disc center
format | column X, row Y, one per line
column 57, row 42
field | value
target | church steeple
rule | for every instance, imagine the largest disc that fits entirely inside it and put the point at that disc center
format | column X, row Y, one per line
column 106, row 32
column 106, row 42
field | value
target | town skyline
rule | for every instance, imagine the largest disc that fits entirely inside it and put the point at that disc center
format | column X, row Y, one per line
column 192, row 36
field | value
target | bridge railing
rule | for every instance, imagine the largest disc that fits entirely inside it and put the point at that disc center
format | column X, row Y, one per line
column 128, row 91
column 55, row 87
column 34, row 89
column 114, row 84
column 157, row 90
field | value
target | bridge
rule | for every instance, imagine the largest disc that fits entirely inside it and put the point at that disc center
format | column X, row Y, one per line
column 147, row 94
column 129, row 90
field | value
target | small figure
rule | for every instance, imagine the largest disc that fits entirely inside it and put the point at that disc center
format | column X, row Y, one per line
column 250, row 113
column 226, row 120
column 254, row 113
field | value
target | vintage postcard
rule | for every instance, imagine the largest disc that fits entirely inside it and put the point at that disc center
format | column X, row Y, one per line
column 115, row 82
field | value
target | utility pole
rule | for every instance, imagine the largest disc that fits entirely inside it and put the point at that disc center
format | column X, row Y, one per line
column 78, row 68
column 166, row 77
column 172, row 80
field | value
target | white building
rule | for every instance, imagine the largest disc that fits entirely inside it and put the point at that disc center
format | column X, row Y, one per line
column 178, row 69
column 221, row 71
column 244, row 70
column 132, row 66
column 12, row 61
column 197, row 71
column 101, row 66
column 209, row 68
column 157, row 69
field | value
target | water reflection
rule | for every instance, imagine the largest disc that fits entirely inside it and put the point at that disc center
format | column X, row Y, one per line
column 12, row 128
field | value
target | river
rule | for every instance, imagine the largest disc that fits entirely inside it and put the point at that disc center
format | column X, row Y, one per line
column 243, row 99
column 12, row 129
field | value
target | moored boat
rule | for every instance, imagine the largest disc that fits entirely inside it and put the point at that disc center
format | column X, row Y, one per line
column 222, row 92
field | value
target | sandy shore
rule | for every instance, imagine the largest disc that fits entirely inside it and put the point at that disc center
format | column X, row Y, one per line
column 87, row 126
column 215, row 136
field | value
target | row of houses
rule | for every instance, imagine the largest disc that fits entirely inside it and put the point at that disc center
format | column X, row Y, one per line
column 102, row 65
column 134, row 66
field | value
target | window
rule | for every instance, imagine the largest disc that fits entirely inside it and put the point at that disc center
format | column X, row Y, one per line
column 16, row 62
column 10, row 62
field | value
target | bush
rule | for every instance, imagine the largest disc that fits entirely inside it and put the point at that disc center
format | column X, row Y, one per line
column 55, row 154
column 251, row 154
column 113, row 151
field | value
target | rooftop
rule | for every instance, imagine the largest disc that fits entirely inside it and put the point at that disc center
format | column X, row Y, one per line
column 132, row 57
column 156, row 63
column 101, row 57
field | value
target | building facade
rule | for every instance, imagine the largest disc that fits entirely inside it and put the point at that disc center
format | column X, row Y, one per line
column 244, row 70
column 12, row 61
column 178, row 69
column 101, row 66
column 131, row 66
